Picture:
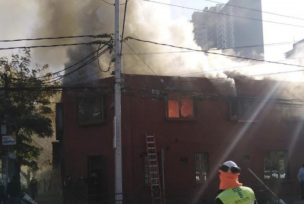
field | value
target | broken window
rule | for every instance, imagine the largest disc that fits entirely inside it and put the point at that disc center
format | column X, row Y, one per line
column 275, row 165
column 90, row 110
column 201, row 167
column 180, row 108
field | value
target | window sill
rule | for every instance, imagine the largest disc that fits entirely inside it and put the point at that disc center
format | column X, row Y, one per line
column 200, row 183
column 243, row 120
column 181, row 119
column 278, row 180
column 91, row 123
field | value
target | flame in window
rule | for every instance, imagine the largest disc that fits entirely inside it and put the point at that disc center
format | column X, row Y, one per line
column 182, row 108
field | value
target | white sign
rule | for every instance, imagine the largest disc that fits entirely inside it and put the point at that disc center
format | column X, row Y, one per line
column 8, row 140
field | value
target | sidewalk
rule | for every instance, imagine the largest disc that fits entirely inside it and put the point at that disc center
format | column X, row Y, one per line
column 49, row 198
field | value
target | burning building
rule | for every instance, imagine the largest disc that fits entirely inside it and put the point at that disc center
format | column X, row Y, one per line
column 195, row 127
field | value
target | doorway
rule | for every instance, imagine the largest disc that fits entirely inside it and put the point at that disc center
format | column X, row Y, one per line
column 97, row 179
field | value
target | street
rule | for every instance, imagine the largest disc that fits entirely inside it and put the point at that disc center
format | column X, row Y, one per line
column 49, row 198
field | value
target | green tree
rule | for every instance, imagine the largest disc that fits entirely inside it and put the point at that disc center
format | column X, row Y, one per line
column 27, row 107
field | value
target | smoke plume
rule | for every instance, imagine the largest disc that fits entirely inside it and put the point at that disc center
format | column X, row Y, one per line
column 144, row 20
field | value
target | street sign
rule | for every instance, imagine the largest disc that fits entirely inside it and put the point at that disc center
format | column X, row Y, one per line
column 8, row 140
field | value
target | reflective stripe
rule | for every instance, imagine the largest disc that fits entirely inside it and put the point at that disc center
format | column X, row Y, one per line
column 238, row 195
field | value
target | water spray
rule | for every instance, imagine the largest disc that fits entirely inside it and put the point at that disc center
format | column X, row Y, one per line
column 280, row 201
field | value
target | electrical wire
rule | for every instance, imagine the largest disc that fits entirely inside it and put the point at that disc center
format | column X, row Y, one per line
column 224, row 14
column 153, row 71
column 213, row 53
column 239, row 47
column 69, row 67
column 257, row 10
column 61, row 37
column 234, row 67
column 114, row 3
column 58, row 45
column 98, row 61
column 123, row 25
column 110, row 42
column 55, row 88
column 143, row 91
column 82, row 78
column 82, row 66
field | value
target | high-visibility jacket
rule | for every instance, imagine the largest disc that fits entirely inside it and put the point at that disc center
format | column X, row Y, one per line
column 238, row 195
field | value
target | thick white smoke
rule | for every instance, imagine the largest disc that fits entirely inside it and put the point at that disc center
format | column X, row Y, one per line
column 144, row 20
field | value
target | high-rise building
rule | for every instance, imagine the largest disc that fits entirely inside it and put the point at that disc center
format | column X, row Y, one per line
column 236, row 26
column 297, row 52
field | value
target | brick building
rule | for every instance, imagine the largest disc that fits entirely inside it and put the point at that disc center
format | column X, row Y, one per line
column 234, row 26
column 196, row 128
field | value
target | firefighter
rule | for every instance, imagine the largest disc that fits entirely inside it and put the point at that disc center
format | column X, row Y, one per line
column 230, row 190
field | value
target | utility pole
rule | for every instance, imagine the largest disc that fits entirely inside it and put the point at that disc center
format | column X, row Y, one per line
column 117, row 98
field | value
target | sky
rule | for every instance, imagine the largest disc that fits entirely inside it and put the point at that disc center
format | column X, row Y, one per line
column 34, row 19
column 273, row 33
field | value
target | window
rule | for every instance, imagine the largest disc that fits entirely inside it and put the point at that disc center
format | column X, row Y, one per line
column 183, row 160
column 90, row 110
column 201, row 167
column 180, row 108
column 242, row 110
column 146, row 169
column 275, row 165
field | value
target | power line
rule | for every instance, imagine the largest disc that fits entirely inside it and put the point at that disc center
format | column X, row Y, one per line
column 228, row 68
column 224, row 14
column 162, row 94
column 113, row 3
column 257, row 10
column 123, row 25
column 58, row 45
column 214, row 53
column 80, row 67
column 55, row 88
column 99, row 63
column 247, row 46
column 69, row 67
column 275, row 73
column 61, row 37
column 89, row 61
column 152, row 70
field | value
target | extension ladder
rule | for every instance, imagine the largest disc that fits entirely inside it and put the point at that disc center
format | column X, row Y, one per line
column 155, row 184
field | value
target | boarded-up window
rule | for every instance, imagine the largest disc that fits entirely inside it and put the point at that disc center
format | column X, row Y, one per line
column 90, row 110
column 180, row 108
column 201, row 167
column 275, row 165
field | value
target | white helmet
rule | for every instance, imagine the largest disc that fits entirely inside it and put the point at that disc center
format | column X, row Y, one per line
column 231, row 167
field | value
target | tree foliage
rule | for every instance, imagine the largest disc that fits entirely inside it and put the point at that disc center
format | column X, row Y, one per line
column 28, row 106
